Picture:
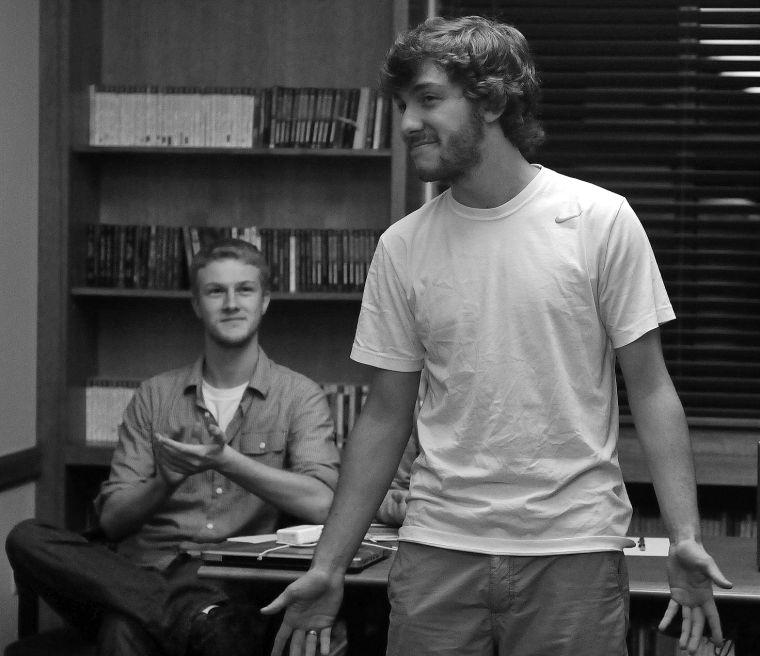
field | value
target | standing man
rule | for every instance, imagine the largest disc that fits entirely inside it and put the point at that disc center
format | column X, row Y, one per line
column 515, row 291
column 225, row 446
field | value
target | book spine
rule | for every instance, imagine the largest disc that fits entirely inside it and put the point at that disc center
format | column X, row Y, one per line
column 92, row 253
column 292, row 262
column 360, row 134
column 93, row 98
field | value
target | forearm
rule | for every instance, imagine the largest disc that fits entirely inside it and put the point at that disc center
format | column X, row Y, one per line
column 295, row 494
column 127, row 509
column 374, row 449
column 664, row 435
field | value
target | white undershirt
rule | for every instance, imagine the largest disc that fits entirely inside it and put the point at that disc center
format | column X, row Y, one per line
column 222, row 403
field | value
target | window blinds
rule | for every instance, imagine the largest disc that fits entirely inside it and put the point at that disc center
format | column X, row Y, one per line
column 660, row 102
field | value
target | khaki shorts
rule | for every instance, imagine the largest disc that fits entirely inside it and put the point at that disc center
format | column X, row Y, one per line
column 457, row 603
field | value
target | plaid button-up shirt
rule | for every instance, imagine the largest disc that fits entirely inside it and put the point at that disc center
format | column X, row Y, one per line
column 283, row 421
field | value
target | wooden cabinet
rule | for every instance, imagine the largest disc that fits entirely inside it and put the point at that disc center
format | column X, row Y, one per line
column 85, row 332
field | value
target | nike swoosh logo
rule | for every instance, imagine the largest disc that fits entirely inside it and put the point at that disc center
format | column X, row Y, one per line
column 569, row 211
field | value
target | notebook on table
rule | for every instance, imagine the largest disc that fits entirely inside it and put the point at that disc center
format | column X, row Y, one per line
column 275, row 555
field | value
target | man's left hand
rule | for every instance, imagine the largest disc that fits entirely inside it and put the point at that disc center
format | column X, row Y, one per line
column 691, row 573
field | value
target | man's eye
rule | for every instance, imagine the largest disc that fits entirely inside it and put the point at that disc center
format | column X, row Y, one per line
column 427, row 100
column 214, row 291
column 246, row 290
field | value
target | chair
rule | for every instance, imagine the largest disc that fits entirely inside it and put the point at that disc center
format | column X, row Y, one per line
column 61, row 642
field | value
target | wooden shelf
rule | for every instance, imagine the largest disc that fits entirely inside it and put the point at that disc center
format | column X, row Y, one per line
column 88, row 455
column 20, row 467
column 381, row 153
column 719, row 460
column 721, row 457
column 135, row 333
column 117, row 292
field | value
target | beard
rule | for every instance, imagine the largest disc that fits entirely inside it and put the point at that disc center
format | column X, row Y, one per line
column 458, row 155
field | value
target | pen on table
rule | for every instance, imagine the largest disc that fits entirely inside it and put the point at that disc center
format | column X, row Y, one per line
column 373, row 543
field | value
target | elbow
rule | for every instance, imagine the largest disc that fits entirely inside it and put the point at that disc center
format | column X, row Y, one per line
column 320, row 512
column 320, row 507
column 107, row 525
column 111, row 523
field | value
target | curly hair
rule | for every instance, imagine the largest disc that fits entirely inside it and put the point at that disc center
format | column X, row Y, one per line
column 492, row 62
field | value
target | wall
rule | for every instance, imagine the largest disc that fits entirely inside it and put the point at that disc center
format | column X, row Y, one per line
column 19, row 111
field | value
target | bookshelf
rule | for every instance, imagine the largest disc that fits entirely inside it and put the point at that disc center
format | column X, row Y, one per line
column 91, row 331
column 133, row 333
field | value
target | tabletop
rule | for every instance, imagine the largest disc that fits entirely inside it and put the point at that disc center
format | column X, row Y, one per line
column 737, row 558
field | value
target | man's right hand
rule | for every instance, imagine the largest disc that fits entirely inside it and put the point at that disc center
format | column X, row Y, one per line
column 174, row 468
column 311, row 605
column 393, row 508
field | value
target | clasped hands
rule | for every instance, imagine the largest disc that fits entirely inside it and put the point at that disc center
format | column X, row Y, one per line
column 183, row 454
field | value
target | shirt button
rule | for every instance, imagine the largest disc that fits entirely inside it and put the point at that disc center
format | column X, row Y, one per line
column 262, row 445
column 219, row 490
column 209, row 526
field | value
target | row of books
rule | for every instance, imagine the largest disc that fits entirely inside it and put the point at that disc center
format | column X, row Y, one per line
column 136, row 256
column 311, row 260
column 724, row 523
column 106, row 400
column 203, row 117
column 159, row 257
column 346, row 402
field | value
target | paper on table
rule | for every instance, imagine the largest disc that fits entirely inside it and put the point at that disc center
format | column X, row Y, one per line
column 382, row 533
column 253, row 539
column 376, row 533
column 649, row 547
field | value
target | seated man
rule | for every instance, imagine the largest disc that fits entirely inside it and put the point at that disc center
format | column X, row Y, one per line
column 225, row 446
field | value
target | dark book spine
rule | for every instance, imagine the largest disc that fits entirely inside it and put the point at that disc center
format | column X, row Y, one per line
column 92, row 255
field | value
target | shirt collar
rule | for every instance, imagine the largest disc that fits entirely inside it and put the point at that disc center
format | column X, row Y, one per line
column 260, row 381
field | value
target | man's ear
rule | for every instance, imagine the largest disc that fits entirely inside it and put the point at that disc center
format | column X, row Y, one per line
column 491, row 117
column 492, row 113
column 194, row 303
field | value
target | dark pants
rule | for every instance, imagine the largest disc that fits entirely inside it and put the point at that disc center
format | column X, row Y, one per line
column 129, row 610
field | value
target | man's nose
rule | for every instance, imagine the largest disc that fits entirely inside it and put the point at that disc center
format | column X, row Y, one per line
column 410, row 122
column 230, row 299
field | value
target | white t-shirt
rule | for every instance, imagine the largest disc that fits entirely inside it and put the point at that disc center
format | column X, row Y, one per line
column 222, row 402
column 514, row 313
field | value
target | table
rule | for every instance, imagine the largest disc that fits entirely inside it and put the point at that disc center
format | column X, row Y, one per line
column 374, row 576
column 737, row 558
